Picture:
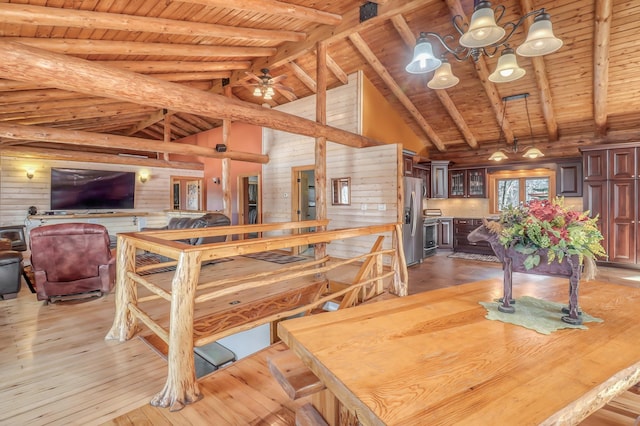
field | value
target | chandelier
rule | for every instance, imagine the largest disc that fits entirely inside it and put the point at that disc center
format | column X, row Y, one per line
column 485, row 36
column 529, row 152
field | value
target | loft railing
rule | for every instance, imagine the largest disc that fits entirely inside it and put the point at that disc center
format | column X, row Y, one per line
column 292, row 288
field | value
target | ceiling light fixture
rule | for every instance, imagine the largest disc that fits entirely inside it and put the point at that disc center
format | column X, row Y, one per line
column 485, row 36
column 529, row 152
column 264, row 84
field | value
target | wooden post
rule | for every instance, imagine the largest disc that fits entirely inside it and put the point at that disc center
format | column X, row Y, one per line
column 181, row 387
column 167, row 133
column 321, row 144
column 124, row 323
column 226, row 165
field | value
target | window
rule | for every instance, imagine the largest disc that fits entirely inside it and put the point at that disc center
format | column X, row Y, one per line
column 510, row 188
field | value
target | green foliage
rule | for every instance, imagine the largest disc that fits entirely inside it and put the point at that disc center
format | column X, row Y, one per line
column 544, row 224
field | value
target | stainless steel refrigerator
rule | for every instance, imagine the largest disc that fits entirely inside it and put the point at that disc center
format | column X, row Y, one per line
column 412, row 229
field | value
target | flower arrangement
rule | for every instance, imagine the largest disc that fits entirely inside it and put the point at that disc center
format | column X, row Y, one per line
column 547, row 224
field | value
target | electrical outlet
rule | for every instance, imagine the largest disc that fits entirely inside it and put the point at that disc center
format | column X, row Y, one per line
column 382, row 207
column 363, row 207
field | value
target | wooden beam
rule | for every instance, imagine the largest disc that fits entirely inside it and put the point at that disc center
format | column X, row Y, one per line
column 69, row 155
column 455, row 8
column 601, row 44
column 22, row 14
column 83, row 76
column 79, row 138
column 305, row 78
column 115, row 47
column 151, row 67
column 320, row 149
column 540, row 72
column 152, row 119
column 274, row 7
column 350, row 24
column 337, row 70
column 375, row 63
column 409, row 39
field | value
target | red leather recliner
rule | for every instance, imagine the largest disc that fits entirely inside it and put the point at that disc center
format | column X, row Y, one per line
column 71, row 259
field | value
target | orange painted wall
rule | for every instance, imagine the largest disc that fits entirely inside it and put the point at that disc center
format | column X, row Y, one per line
column 381, row 122
column 243, row 137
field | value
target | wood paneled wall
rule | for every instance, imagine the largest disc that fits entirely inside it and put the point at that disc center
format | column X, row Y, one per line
column 373, row 171
column 18, row 193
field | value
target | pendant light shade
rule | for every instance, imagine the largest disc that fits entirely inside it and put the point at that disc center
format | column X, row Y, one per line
column 498, row 156
column 540, row 39
column 507, row 69
column 483, row 29
column 533, row 153
column 443, row 78
column 423, row 60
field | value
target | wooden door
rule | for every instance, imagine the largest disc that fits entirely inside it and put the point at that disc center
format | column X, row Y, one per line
column 622, row 224
column 596, row 200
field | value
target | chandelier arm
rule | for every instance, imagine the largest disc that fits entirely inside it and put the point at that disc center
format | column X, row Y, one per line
column 443, row 41
column 489, row 54
column 459, row 28
column 500, row 9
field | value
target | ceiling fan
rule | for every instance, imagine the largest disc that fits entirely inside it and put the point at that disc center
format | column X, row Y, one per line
column 265, row 84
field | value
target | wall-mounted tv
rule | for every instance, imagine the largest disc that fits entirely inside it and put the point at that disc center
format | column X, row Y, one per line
column 80, row 189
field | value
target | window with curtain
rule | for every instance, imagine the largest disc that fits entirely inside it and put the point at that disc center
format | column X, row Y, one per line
column 511, row 188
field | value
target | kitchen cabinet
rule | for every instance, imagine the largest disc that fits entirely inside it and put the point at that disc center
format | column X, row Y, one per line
column 445, row 233
column 439, row 179
column 462, row 227
column 467, row 183
column 569, row 179
column 423, row 173
column 611, row 190
column 407, row 161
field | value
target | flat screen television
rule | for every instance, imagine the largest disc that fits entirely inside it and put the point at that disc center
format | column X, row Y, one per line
column 80, row 189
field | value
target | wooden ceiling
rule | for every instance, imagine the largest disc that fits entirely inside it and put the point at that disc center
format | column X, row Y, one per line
column 585, row 93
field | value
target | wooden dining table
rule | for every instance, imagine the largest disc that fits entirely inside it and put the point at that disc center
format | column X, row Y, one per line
column 435, row 359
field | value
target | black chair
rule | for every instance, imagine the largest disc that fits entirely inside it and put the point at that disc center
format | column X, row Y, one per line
column 16, row 234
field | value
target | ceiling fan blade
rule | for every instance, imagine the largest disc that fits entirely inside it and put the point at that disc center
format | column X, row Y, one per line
column 252, row 75
column 277, row 79
column 283, row 87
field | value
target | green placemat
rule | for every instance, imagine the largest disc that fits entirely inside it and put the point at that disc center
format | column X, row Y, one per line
column 536, row 314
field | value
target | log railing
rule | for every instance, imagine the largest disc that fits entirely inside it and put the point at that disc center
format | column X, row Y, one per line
column 187, row 292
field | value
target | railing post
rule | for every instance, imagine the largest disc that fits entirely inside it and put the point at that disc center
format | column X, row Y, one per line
column 181, row 387
column 124, row 322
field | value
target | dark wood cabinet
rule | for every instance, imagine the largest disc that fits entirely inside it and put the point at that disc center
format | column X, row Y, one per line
column 407, row 160
column 569, row 179
column 611, row 191
column 424, row 173
column 467, row 183
column 439, row 179
column 595, row 165
column 461, row 229
column 445, row 233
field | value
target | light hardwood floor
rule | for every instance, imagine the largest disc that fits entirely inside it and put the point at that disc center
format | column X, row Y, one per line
column 57, row 369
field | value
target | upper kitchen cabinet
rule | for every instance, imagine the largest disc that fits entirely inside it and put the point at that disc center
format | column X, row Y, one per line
column 439, row 179
column 622, row 163
column 467, row 183
column 595, row 164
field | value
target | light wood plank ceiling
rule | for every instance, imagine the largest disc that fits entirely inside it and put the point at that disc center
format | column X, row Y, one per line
column 585, row 93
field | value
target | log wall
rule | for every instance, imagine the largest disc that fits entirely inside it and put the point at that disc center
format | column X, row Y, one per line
column 18, row 193
column 373, row 170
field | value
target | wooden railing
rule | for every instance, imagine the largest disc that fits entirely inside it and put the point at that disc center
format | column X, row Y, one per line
column 306, row 287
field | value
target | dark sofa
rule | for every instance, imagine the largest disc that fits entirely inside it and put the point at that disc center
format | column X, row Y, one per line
column 206, row 221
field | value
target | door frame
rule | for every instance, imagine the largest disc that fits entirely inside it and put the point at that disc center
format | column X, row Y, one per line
column 296, row 173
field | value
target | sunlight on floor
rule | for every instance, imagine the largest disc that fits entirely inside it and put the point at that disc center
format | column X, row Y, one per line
column 633, row 278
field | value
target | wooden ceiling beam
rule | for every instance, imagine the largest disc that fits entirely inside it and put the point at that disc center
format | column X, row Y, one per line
column 120, row 48
column 151, row 119
column 382, row 72
column 601, row 44
column 69, row 155
column 540, row 72
column 455, row 8
column 193, row 76
column 79, row 138
column 337, row 70
column 409, row 39
column 22, row 14
column 44, row 107
column 79, row 75
column 106, row 110
column 302, row 75
column 350, row 24
column 275, row 7
column 151, row 67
